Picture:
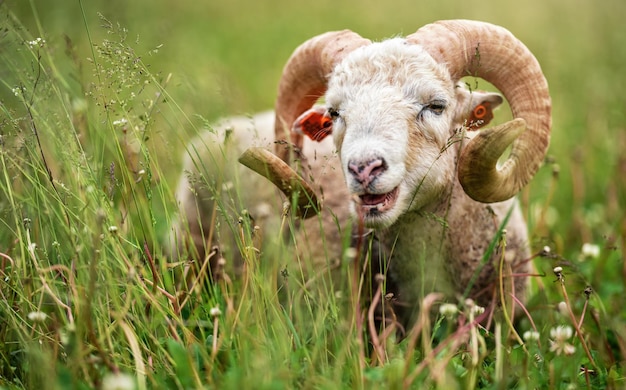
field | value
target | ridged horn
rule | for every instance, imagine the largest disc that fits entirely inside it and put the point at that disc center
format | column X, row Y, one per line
column 304, row 80
column 471, row 48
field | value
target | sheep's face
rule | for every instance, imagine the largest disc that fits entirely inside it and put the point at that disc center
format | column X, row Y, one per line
column 392, row 111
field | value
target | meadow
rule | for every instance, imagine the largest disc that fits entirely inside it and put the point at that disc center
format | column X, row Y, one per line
column 97, row 102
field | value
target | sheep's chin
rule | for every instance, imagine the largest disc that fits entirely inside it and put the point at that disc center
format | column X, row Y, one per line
column 375, row 209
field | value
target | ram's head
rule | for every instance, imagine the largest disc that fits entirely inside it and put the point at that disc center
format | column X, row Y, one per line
column 392, row 108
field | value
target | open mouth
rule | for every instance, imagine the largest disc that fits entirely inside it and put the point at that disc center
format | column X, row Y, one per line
column 378, row 203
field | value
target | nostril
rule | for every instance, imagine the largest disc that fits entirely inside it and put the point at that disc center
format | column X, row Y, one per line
column 376, row 167
column 365, row 172
column 355, row 169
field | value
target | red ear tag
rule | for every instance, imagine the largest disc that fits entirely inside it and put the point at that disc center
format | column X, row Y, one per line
column 316, row 126
column 480, row 116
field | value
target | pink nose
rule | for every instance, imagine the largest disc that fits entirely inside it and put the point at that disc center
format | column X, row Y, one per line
column 366, row 172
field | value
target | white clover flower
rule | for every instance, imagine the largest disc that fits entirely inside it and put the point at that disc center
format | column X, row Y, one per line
column 448, row 310
column 561, row 334
column 118, row 381
column 37, row 316
column 215, row 312
column 590, row 250
column 531, row 335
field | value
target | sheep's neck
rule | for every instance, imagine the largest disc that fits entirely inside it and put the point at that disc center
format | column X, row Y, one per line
column 417, row 256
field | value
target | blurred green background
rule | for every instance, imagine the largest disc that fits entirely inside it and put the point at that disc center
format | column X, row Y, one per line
column 225, row 57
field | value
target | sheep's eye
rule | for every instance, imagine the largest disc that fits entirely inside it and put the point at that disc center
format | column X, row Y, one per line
column 333, row 113
column 436, row 107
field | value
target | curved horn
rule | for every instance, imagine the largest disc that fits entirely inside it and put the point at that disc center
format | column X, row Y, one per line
column 304, row 80
column 471, row 48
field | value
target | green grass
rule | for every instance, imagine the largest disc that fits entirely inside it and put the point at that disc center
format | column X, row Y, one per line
column 93, row 124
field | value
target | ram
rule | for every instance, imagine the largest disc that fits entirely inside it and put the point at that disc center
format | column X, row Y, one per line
column 214, row 192
column 407, row 167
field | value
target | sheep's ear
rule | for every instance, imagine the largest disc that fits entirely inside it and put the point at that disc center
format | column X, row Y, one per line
column 482, row 113
column 315, row 123
column 477, row 107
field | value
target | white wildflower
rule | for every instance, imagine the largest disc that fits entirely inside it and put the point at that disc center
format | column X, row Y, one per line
column 113, row 229
column 561, row 334
column 478, row 310
column 37, row 316
column 531, row 335
column 39, row 42
column 120, row 122
column 215, row 312
column 591, row 251
column 17, row 91
column 448, row 310
column 118, row 381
